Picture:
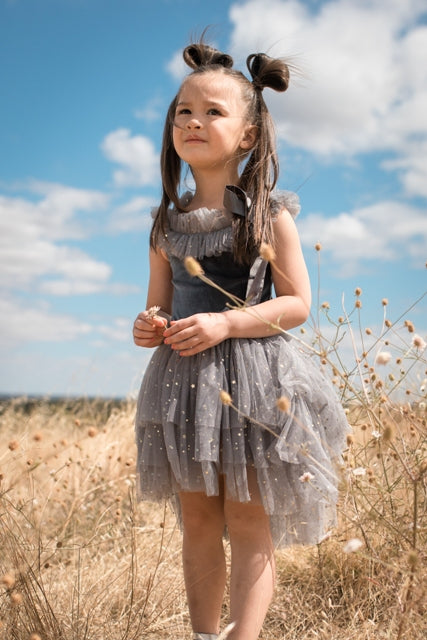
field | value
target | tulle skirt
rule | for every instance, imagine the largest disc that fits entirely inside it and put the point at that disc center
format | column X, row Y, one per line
column 188, row 434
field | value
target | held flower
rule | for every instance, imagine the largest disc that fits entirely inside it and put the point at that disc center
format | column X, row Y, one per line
column 152, row 311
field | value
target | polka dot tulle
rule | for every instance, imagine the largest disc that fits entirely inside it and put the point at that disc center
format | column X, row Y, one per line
column 187, row 435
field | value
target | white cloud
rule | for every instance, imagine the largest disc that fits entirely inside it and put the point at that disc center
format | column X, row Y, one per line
column 363, row 87
column 20, row 324
column 134, row 215
column 94, row 373
column 35, row 237
column 53, row 215
column 136, row 154
column 177, row 67
column 152, row 111
column 120, row 330
column 385, row 231
column 412, row 165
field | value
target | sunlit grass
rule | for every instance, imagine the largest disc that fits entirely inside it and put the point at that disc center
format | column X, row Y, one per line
column 81, row 558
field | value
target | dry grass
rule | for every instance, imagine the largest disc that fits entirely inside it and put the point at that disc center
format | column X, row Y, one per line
column 81, row 559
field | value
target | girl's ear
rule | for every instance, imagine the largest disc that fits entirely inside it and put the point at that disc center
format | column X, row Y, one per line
column 249, row 137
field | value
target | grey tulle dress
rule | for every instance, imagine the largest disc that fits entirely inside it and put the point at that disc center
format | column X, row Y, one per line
column 186, row 437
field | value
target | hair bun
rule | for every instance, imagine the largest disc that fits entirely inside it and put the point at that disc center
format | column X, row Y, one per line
column 202, row 55
column 268, row 72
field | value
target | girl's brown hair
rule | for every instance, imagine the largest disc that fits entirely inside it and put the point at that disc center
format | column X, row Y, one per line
column 261, row 170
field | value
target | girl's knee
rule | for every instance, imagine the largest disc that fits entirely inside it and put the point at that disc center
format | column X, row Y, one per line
column 246, row 521
column 202, row 516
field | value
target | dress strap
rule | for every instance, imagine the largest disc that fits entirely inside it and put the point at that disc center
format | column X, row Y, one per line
column 256, row 281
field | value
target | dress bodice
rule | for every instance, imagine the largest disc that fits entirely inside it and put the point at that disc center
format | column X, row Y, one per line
column 192, row 295
column 206, row 235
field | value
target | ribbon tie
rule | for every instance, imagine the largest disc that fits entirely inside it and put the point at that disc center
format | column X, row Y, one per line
column 236, row 200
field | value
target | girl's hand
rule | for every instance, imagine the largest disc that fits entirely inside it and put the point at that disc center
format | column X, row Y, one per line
column 148, row 329
column 196, row 333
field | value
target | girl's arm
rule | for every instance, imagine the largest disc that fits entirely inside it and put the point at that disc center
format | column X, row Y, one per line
column 290, row 308
column 148, row 328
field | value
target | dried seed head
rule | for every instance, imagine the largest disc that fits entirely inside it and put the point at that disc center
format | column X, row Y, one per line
column 306, row 477
column 359, row 471
column 283, row 404
column 410, row 326
column 16, row 598
column 326, row 305
column 352, row 545
column 358, row 304
column 368, row 331
column 92, row 432
column 8, row 580
column 350, row 439
column 193, row 267
column 384, row 302
column 267, row 252
column 318, row 246
column 38, row 436
column 358, row 291
column 225, row 398
column 388, row 433
column 13, row 445
column 412, row 558
column 383, row 357
column 388, row 323
column 418, row 342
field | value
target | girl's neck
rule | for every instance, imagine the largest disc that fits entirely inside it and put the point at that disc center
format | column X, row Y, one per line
column 210, row 189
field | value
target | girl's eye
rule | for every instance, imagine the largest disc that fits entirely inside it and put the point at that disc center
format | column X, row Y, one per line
column 182, row 112
column 214, row 112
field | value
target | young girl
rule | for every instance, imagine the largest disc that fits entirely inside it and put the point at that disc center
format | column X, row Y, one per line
column 234, row 423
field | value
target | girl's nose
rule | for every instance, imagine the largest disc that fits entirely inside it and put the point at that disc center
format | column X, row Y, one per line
column 193, row 123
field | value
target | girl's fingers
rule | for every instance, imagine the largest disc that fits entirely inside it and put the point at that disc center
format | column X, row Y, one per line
column 179, row 338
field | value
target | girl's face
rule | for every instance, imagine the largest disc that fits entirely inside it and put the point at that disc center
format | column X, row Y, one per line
column 210, row 129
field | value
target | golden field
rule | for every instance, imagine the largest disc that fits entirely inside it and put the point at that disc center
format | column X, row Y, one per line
column 82, row 559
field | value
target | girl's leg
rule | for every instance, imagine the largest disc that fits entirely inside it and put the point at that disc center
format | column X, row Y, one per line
column 203, row 558
column 252, row 563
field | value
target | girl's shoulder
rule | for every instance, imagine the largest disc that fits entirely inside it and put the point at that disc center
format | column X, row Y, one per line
column 280, row 200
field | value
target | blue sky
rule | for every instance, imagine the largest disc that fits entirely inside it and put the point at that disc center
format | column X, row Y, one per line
column 84, row 88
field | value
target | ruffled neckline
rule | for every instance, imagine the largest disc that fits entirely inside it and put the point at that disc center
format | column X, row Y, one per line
column 201, row 220
column 205, row 220
column 207, row 232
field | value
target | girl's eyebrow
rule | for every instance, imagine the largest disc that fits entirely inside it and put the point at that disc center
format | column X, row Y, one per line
column 207, row 103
